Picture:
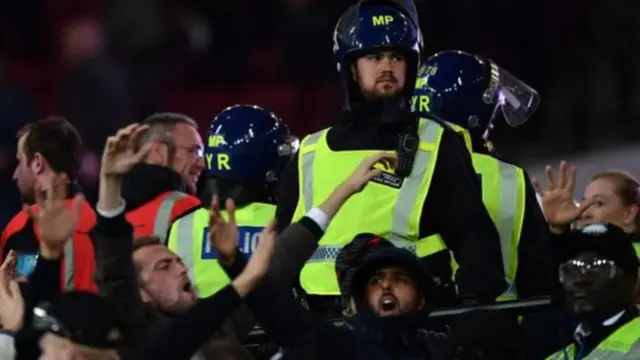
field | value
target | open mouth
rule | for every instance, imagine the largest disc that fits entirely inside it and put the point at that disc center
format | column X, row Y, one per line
column 187, row 287
column 388, row 303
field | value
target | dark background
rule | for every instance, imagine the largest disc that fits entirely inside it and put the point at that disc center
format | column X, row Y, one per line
column 103, row 64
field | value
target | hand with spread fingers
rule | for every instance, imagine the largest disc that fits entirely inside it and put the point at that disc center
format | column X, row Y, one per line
column 11, row 301
column 558, row 203
column 53, row 219
column 366, row 171
column 223, row 234
column 121, row 153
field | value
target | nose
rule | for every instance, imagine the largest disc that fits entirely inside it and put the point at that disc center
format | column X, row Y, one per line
column 199, row 163
column 385, row 283
column 180, row 268
column 587, row 215
column 384, row 64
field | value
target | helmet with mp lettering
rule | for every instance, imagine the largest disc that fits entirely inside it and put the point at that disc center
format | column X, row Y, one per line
column 469, row 91
column 370, row 27
column 248, row 144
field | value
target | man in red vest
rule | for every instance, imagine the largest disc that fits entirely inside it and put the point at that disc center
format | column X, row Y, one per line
column 47, row 150
column 161, row 187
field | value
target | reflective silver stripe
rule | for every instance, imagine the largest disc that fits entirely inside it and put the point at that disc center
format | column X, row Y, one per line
column 606, row 354
column 307, row 169
column 69, row 265
column 163, row 216
column 508, row 210
column 408, row 195
column 330, row 252
column 184, row 244
column 405, row 202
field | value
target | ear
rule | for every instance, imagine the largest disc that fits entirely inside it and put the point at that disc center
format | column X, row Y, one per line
column 146, row 297
column 38, row 164
column 631, row 214
column 422, row 303
column 158, row 154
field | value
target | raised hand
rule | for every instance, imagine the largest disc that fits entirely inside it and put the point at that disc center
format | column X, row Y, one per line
column 9, row 265
column 558, row 198
column 259, row 262
column 53, row 219
column 11, row 301
column 257, row 266
column 223, row 235
column 120, row 153
column 365, row 171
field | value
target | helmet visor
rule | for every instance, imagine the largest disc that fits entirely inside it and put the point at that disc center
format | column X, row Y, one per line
column 517, row 100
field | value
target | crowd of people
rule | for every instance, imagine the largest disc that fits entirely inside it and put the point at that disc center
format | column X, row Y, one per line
column 397, row 233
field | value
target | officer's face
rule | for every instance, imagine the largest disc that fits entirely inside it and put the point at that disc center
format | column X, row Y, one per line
column 163, row 279
column 391, row 291
column 380, row 75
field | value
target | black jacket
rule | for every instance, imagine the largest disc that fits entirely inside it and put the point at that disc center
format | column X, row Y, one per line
column 453, row 208
column 145, row 182
column 365, row 337
column 117, row 278
column 536, row 274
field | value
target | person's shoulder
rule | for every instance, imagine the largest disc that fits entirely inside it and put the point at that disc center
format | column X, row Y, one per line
column 196, row 211
column 17, row 222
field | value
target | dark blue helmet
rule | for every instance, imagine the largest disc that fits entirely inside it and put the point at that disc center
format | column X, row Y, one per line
column 468, row 90
column 249, row 144
column 371, row 26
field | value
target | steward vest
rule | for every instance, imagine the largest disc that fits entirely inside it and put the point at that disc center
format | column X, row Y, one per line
column 78, row 259
column 388, row 206
column 155, row 217
column 623, row 344
column 189, row 239
column 504, row 195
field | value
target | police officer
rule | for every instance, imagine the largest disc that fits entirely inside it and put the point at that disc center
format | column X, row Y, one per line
column 247, row 147
column 431, row 189
column 468, row 91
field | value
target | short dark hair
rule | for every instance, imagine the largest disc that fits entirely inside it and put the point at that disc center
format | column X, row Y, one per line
column 162, row 124
column 141, row 242
column 57, row 141
column 144, row 241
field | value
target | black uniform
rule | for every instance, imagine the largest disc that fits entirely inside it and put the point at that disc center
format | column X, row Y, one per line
column 453, row 208
column 535, row 275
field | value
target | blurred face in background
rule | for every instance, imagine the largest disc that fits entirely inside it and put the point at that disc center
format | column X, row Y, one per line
column 23, row 175
column 392, row 291
column 609, row 206
column 380, row 75
column 163, row 279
